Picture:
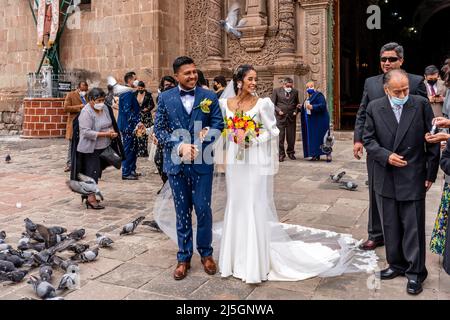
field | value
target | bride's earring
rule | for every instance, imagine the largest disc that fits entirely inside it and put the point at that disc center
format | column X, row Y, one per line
column 239, row 85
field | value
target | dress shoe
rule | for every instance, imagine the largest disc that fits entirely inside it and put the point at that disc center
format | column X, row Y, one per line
column 389, row 274
column 282, row 158
column 181, row 270
column 414, row 287
column 371, row 245
column 209, row 265
column 67, row 168
column 130, row 178
column 292, row 157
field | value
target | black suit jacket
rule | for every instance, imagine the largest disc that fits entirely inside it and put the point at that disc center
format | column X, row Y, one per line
column 374, row 89
column 287, row 105
column 383, row 135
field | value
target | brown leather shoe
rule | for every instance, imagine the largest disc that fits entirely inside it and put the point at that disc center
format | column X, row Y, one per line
column 181, row 270
column 209, row 265
column 371, row 245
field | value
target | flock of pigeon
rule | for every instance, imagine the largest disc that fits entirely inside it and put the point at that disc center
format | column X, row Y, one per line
column 40, row 248
column 347, row 185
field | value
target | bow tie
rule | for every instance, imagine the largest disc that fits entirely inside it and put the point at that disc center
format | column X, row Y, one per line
column 187, row 93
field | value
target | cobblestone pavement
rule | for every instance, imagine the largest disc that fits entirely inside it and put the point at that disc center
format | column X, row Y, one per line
column 140, row 266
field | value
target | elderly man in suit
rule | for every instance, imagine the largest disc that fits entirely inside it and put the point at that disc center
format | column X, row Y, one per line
column 287, row 105
column 391, row 57
column 74, row 102
column 405, row 167
column 436, row 89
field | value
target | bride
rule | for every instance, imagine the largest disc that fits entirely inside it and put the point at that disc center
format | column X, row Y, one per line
column 254, row 245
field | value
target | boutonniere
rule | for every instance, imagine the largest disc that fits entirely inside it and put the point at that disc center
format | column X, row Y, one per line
column 205, row 105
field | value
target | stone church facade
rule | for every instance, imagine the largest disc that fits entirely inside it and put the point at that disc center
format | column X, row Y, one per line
column 281, row 38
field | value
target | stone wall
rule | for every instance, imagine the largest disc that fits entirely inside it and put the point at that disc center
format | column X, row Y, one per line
column 11, row 111
column 115, row 37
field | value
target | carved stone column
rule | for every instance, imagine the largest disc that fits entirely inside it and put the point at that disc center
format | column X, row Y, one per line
column 316, row 40
column 215, row 47
column 286, row 31
column 254, row 32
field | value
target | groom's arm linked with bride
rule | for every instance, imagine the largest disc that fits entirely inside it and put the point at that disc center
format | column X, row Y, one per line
column 183, row 115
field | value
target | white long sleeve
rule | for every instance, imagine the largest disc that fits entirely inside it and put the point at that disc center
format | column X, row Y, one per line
column 270, row 129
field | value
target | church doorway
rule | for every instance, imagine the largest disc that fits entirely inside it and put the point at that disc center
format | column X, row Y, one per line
column 421, row 26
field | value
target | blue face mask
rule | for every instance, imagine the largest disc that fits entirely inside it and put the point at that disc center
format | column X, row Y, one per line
column 398, row 101
column 311, row 91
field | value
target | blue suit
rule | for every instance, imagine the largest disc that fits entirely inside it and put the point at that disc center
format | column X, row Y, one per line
column 129, row 117
column 191, row 183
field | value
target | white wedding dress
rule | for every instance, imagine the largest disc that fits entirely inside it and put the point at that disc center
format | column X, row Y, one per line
column 254, row 245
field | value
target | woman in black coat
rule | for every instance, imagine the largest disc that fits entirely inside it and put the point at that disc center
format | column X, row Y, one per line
column 146, row 104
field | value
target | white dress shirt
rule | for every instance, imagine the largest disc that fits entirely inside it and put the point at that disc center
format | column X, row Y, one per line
column 188, row 101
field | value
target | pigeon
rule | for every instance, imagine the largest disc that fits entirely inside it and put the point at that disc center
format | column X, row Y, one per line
column 17, row 261
column 49, row 237
column 336, row 178
column 70, row 279
column 7, row 266
column 118, row 89
column 4, row 247
column 103, row 241
column 57, row 230
column 350, row 186
column 25, row 240
column 32, row 246
column 367, row 182
column 231, row 23
column 13, row 276
column 152, row 224
column 78, row 248
column 130, row 227
column 43, row 289
column 87, row 256
column 43, row 257
column 64, row 264
column 30, row 226
column 8, row 158
column 77, row 234
column 46, row 272
column 2, row 236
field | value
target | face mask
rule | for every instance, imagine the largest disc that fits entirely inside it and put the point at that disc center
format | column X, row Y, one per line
column 311, row 91
column 83, row 93
column 136, row 83
column 288, row 90
column 398, row 101
column 99, row 106
column 432, row 82
column 141, row 91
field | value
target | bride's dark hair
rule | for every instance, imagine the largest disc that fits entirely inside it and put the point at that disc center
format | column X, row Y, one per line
column 240, row 74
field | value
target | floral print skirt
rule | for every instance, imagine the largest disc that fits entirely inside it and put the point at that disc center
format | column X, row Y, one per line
column 438, row 237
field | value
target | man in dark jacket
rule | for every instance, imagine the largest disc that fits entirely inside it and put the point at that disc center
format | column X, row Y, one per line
column 391, row 57
column 405, row 167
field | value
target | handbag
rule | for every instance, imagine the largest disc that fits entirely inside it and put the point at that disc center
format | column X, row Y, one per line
column 111, row 157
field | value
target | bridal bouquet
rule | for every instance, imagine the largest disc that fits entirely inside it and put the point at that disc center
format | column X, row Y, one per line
column 241, row 128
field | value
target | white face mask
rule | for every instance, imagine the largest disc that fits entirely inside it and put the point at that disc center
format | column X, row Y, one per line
column 83, row 93
column 99, row 106
column 288, row 90
column 136, row 83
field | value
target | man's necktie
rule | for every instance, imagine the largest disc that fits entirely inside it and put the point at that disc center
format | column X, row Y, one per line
column 433, row 92
column 187, row 93
column 398, row 112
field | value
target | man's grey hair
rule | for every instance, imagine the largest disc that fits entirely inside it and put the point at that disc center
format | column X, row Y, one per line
column 288, row 80
column 393, row 73
column 393, row 46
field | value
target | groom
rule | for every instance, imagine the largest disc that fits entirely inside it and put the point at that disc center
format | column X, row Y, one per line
column 187, row 121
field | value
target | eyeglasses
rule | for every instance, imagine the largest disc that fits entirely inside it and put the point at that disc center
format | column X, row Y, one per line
column 390, row 59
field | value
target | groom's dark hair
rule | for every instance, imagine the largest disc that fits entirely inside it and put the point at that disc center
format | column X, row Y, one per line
column 181, row 61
